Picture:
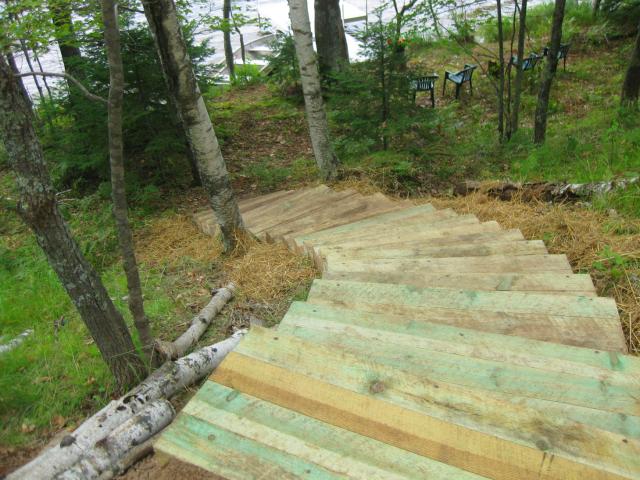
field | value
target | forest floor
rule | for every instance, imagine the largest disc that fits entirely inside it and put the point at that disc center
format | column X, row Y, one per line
column 57, row 377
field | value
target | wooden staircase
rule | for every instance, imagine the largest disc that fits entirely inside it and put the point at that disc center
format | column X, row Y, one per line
column 435, row 346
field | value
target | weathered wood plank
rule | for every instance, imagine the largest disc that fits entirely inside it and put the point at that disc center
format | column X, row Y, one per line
column 485, row 264
column 548, row 283
column 519, row 350
column 501, row 413
column 528, row 319
column 340, row 451
column 463, row 447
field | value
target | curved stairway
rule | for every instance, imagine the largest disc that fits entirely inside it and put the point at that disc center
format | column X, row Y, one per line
column 435, row 346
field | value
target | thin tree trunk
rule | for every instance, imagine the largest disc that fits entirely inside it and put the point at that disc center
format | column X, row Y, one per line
column 65, row 36
column 118, row 191
column 44, row 79
column 540, row 129
column 522, row 31
column 316, row 116
column 509, row 102
column 596, row 7
column 631, row 85
column 184, row 91
column 501, row 79
column 331, row 40
column 39, row 209
column 243, row 52
column 27, row 57
column 226, row 33
column 434, row 18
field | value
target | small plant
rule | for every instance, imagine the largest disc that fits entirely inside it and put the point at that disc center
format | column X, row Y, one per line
column 611, row 263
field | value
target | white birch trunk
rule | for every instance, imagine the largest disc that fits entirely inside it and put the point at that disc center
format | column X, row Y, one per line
column 7, row 347
column 310, row 78
column 199, row 324
column 106, row 454
column 165, row 382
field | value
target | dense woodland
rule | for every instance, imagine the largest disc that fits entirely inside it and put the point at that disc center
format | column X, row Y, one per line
column 103, row 163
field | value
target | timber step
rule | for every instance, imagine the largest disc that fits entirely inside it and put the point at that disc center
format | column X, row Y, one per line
column 434, row 346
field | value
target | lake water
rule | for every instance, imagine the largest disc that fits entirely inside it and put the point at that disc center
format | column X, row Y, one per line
column 355, row 14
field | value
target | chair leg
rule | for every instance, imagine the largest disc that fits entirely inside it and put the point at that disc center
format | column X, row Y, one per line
column 458, row 90
column 444, row 84
column 433, row 98
column 415, row 93
column 471, row 87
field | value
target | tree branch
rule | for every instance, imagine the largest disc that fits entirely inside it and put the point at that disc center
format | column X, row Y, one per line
column 70, row 78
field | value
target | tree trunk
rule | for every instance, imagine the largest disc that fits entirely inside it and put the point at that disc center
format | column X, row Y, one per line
column 165, row 382
column 316, row 116
column 65, row 36
column 540, row 129
column 185, row 93
column 27, row 57
column 434, row 18
column 631, row 85
column 522, row 31
column 15, row 342
column 118, row 191
column 331, row 40
column 596, row 7
column 243, row 53
column 226, row 33
column 501, row 77
column 39, row 209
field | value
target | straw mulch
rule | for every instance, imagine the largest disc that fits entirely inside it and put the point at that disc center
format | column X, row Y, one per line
column 605, row 245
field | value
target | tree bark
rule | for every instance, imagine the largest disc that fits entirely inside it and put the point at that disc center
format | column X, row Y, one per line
column 118, row 191
column 185, row 93
column 631, row 85
column 331, row 41
column 165, row 382
column 39, row 209
column 199, row 324
column 104, row 456
column 314, row 105
column 65, row 36
column 540, row 128
column 522, row 30
column 501, row 77
column 226, row 33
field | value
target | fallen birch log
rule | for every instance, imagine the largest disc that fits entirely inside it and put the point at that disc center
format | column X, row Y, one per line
column 545, row 191
column 133, row 456
column 165, row 382
column 7, row 347
column 105, row 455
column 199, row 324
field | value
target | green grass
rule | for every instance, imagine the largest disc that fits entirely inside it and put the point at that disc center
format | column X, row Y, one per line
column 57, row 374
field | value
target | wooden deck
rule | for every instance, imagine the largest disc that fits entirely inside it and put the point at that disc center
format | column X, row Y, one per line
column 434, row 347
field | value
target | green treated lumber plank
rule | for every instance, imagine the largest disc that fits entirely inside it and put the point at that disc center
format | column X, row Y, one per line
column 247, row 204
column 336, row 449
column 486, row 264
column 520, row 247
column 473, row 409
column 232, row 456
column 491, row 345
column 549, row 283
column 360, row 347
column 560, row 381
column 524, row 319
column 417, row 236
column 597, row 307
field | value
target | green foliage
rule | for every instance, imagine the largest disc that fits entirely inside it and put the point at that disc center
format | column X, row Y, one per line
column 247, row 75
column 611, row 263
column 269, row 176
column 284, row 72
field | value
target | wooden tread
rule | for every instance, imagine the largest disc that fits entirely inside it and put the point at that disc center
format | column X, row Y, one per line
column 434, row 346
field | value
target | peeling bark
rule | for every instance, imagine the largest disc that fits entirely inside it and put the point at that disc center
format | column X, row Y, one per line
column 105, row 455
column 199, row 324
column 118, row 190
column 540, row 124
column 316, row 116
column 185, row 93
column 165, row 382
column 38, row 208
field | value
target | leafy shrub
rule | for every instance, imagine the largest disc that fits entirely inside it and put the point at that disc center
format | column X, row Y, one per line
column 247, row 75
column 284, row 72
